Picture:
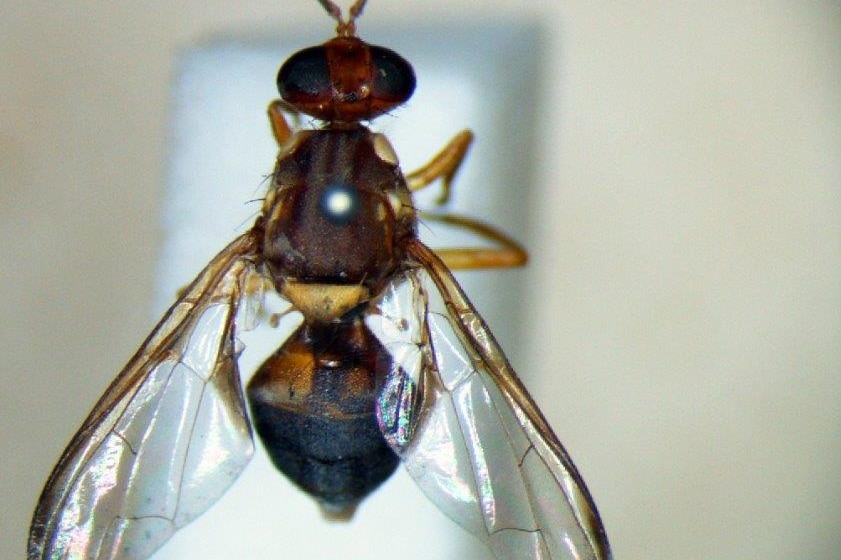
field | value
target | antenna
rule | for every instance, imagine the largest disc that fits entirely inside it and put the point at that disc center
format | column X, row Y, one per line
column 345, row 28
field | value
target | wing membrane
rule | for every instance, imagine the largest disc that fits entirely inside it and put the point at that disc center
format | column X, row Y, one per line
column 480, row 448
column 168, row 436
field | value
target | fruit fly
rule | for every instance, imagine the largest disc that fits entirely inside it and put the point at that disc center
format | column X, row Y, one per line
column 390, row 362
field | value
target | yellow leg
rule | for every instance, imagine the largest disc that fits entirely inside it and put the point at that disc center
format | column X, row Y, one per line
column 444, row 166
column 507, row 254
column 280, row 128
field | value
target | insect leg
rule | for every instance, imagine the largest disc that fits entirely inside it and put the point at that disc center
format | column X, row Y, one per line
column 280, row 128
column 507, row 254
column 444, row 166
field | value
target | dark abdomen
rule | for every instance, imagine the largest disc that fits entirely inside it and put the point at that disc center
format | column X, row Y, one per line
column 313, row 404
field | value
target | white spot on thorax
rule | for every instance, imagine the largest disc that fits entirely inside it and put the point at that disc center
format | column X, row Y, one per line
column 339, row 203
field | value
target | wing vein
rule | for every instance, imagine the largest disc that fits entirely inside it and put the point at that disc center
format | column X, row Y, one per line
column 553, row 463
column 104, row 499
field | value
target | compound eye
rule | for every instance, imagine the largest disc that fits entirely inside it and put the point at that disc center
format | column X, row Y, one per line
column 394, row 78
column 304, row 78
column 345, row 80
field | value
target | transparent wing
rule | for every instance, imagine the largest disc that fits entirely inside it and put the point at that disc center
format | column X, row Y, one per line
column 467, row 430
column 168, row 436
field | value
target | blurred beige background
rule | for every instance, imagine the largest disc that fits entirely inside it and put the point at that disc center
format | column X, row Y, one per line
column 685, row 288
